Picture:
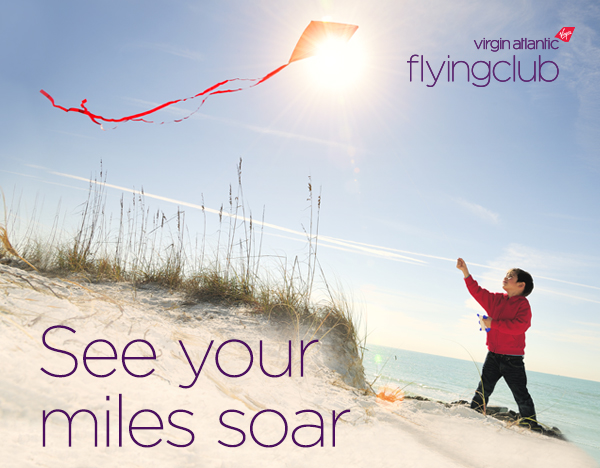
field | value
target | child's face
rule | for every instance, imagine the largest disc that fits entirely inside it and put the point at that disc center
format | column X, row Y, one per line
column 511, row 284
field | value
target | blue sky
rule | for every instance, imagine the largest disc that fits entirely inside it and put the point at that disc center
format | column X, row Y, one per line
column 411, row 176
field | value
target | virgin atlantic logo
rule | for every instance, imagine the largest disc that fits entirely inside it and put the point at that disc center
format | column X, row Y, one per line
column 565, row 34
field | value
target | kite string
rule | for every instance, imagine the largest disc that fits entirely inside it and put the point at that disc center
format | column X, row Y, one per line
column 215, row 89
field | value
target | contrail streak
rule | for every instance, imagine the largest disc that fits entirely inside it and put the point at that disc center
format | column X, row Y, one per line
column 365, row 248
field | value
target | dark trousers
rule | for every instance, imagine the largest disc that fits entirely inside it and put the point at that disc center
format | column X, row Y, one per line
column 512, row 369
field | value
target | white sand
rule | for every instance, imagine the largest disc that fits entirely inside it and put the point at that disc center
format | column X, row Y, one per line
column 372, row 434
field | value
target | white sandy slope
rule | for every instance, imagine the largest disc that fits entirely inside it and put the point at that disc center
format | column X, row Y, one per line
column 372, row 434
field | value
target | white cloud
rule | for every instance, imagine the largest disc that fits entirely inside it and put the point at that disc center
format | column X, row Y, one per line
column 482, row 213
column 586, row 338
column 544, row 262
column 170, row 49
column 473, row 305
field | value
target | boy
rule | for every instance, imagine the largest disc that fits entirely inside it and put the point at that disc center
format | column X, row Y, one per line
column 509, row 316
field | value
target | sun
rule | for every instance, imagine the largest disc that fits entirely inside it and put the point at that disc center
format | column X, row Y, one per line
column 338, row 65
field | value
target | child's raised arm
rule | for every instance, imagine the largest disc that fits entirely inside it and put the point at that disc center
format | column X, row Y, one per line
column 462, row 266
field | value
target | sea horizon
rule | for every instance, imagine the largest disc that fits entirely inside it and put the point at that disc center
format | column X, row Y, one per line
column 480, row 363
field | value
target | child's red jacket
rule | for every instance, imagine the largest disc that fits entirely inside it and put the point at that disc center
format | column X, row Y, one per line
column 511, row 317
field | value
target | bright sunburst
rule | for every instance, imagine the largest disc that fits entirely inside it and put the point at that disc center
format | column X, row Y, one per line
column 338, row 64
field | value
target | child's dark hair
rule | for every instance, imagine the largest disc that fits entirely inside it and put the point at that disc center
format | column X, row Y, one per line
column 524, row 277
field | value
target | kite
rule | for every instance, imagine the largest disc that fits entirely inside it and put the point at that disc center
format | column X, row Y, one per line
column 313, row 36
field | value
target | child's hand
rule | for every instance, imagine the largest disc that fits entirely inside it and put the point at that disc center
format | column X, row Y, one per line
column 462, row 266
column 487, row 322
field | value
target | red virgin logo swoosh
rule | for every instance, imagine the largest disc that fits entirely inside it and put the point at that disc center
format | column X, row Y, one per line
column 565, row 34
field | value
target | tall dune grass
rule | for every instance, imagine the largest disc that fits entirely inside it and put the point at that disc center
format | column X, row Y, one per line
column 142, row 247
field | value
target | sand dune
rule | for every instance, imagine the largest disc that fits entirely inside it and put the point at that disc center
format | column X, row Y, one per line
column 225, row 412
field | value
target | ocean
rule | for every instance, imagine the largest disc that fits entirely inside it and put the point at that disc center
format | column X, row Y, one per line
column 572, row 405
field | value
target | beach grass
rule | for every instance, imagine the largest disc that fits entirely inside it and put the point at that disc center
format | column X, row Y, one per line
column 144, row 247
